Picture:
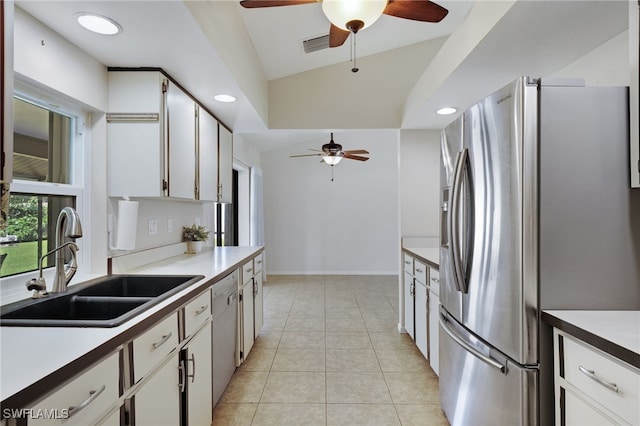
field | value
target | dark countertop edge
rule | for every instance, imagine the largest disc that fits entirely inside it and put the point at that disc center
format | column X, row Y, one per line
column 624, row 354
column 60, row 377
column 431, row 263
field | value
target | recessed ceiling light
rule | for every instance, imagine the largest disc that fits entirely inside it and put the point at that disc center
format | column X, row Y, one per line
column 224, row 98
column 98, row 24
column 446, row 111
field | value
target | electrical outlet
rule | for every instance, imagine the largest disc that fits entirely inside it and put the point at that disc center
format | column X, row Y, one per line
column 170, row 225
column 153, row 226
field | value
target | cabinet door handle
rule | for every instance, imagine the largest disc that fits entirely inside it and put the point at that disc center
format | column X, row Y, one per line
column 435, row 280
column 419, row 270
column 406, row 262
column 182, row 380
column 193, row 370
column 202, row 309
column 162, row 341
column 250, row 270
column 93, row 395
column 592, row 375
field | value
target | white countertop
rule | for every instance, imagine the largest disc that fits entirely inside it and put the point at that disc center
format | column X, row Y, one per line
column 28, row 354
column 427, row 254
column 622, row 328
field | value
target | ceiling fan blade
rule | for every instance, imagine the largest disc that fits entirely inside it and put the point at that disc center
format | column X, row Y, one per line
column 356, row 151
column 355, row 157
column 337, row 36
column 250, row 4
column 305, row 155
column 416, row 10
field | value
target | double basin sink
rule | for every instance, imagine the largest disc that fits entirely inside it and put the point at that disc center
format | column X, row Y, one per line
column 103, row 302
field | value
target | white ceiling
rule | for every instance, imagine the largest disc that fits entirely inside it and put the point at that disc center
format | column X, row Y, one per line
column 534, row 37
column 278, row 32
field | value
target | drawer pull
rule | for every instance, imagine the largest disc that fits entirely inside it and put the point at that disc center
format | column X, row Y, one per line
column 162, row 341
column 592, row 375
column 406, row 262
column 201, row 310
column 259, row 262
column 93, row 395
column 249, row 270
column 435, row 280
column 419, row 270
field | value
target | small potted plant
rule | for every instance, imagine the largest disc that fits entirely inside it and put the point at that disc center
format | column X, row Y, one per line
column 195, row 236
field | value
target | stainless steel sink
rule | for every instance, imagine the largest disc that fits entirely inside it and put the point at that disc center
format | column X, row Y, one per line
column 104, row 302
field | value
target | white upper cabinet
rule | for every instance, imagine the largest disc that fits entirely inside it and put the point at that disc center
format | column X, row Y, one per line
column 135, row 134
column 207, row 156
column 634, row 91
column 225, row 176
column 162, row 143
column 181, row 119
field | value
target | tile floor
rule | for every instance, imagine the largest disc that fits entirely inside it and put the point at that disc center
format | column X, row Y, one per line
column 330, row 354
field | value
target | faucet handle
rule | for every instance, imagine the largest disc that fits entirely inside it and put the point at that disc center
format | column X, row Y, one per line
column 39, row 286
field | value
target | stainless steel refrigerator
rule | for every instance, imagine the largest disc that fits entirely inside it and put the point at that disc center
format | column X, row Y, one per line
column 536, row 213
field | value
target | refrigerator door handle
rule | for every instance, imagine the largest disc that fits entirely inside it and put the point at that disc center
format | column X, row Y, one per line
column 454, row 221
column 469, row 348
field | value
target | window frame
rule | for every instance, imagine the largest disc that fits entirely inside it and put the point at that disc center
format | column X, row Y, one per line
column 12, row 287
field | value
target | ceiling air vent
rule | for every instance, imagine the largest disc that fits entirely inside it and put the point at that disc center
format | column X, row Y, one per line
column 315, row 44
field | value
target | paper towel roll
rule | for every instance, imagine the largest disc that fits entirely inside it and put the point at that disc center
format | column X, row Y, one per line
column 127, row 225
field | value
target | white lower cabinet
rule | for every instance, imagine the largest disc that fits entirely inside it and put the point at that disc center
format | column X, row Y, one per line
column 409, row 304
column 592, row 387
column 258, row 298
column 84, row 400
column 421, row 290
column 250, row 306
column 157, row 403
column 247, row 319
column 197, row 363
column 421, row 312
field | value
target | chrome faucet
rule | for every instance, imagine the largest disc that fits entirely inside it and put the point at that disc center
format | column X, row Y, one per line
column 68, row 225
column 70, row 221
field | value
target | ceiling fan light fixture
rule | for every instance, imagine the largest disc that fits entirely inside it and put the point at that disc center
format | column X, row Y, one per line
column 341, row 12
column 333, row 159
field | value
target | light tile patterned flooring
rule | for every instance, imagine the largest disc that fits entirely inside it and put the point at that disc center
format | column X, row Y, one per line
column 330, row 354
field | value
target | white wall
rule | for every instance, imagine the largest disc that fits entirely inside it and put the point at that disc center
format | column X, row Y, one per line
column 59, row 70
column 419, row 182
column 348, row 226
column 606, row 65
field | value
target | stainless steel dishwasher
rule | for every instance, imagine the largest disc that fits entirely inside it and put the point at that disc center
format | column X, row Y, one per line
column 225, row 323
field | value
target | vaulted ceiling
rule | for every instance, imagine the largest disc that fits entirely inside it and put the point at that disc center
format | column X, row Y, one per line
column 407, row 69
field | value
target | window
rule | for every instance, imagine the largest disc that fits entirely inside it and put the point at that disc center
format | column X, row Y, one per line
column 44, row 173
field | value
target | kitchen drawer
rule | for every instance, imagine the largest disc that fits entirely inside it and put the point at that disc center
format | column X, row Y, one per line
column 408, row 264
column 196, row 313
column 577, row 411
column 153, row 345
column 583, row 364
column 420, row 271
column 97, row 389
column 434, row 280
column 257, row 263
column 247, row 271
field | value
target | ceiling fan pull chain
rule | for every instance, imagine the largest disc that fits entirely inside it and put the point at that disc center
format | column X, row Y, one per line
column 353, row 52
